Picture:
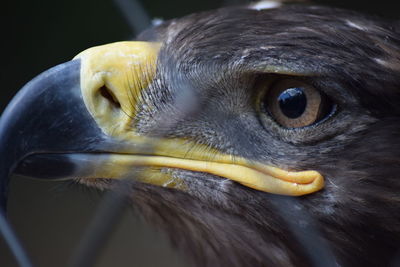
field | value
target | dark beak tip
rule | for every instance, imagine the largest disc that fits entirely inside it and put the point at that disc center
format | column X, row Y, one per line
column 33, row 109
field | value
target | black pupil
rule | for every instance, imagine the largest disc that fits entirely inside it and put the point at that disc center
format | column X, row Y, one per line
column 293, row 102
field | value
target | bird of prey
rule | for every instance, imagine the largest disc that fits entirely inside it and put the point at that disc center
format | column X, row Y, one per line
column 252, row 136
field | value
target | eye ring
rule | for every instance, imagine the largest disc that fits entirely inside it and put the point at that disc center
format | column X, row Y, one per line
column 295, row 104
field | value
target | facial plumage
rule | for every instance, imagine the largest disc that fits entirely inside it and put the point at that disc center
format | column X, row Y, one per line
column 221, row 56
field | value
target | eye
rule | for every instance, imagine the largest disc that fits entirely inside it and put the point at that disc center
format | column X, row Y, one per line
column 294, row 104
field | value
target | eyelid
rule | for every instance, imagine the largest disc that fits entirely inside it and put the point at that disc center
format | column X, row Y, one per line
column 317, row 109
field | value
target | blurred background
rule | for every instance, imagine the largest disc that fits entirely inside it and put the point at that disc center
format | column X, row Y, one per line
column 36, row 35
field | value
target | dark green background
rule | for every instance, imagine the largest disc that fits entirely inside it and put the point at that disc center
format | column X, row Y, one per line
column 37, row 35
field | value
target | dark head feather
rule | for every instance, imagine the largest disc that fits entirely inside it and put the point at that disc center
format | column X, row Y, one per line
column 219, row 56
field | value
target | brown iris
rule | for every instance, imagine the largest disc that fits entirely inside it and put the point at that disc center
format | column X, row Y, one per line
column 293, row 103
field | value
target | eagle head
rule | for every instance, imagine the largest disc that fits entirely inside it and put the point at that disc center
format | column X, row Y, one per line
column 252, row 136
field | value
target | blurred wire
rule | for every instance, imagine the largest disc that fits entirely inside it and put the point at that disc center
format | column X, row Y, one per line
column 13, row 243
column 396, row 260
column 305, row 230
column 134, row 14
column 106, row 217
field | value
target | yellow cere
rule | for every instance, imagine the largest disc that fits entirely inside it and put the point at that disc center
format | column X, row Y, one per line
column 127, row 68
column 124, row 68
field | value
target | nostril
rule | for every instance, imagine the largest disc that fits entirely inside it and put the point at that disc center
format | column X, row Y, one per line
column 107, row 94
